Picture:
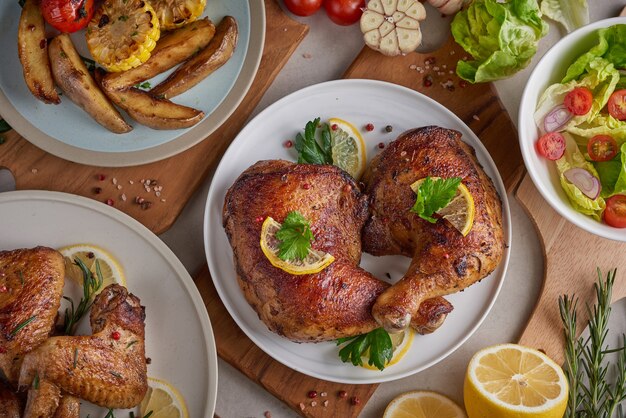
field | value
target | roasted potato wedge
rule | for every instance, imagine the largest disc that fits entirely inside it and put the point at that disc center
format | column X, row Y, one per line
column 172, row 49
column 32, row 48
column 201, row 65
column 153, row 112
column 71, row 75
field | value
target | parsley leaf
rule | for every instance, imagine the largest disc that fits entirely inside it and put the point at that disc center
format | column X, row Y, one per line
column 378, row 342
column 294, row 237
column 433, row 195
column 310, row 151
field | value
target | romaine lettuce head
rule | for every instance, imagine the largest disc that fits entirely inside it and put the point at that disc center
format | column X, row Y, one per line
column 610, row 46
column 571, row 159
column 501, row 37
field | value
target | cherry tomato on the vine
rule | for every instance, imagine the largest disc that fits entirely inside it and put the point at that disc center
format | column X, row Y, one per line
column 344, row 12
column 303, row 7
column 67, row 15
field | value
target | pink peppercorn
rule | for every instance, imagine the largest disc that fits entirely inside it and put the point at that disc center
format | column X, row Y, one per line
column 334, row 127
column 306, row 186
column 355, row 400
column 342, row 394
column 381, row 145
column 115, row 335
column 101, row 177
column 369, row 127
column 110, row 202
column 289, row 144
column 312, row 394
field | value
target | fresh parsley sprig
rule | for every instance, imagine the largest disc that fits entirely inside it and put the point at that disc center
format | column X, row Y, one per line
column 433, row 195
column 294, row 237
column 91, row 285
column 377, row 343
column 590, row 393
column 310, row 151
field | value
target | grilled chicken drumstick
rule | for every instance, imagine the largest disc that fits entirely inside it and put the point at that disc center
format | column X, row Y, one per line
column 443, row 260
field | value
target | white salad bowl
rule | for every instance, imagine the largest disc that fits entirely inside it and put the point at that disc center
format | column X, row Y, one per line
column 551, row 69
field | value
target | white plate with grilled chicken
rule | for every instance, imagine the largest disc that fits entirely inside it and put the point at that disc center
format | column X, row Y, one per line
column 337, row 301
column 178, row 337
column 122, row 125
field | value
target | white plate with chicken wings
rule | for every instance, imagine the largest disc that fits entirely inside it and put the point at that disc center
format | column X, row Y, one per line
column 361, row 102
column 179, row 339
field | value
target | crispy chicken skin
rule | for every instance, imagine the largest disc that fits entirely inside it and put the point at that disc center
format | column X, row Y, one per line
column 333, row 303
column 10, row 406
column 443, row 261
column 69, row 407
column 98, row 368
column 42, row 401
column 33, row 279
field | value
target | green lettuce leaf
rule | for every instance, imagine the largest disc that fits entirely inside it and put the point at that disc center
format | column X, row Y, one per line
column 610, row 47
column 572, row 14
column 613, row 174
column 571, row 159
column 502, row 37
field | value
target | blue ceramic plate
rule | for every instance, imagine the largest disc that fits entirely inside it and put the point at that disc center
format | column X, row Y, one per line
column 68, row 132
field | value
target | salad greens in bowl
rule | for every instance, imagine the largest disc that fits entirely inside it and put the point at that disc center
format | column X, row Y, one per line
column 572, row 125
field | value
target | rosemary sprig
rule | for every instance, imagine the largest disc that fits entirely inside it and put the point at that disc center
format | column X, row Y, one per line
column 591, row 395
column 91, row 285
column 21, row 325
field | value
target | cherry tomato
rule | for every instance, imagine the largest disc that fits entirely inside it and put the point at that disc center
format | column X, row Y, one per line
column 579, row 100
column 303, row 7
column 344, row 12
column 602, row 148
column 617, row 104
column 67, row 15
column 551, row 146
column 615, row 212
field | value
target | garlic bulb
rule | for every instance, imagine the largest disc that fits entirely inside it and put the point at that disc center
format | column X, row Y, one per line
column 447, row 7
column 392, row 26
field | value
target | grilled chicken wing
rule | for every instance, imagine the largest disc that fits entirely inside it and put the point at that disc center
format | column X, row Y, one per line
column 10, row 406
column 32, row 284
column 43, row 400
column 69, row 407
column 443, row 260
column 333, row 303
column 107, row 371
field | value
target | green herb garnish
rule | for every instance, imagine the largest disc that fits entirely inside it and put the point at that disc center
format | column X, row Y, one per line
column 131, row 343
column 294, row 237
column 144, row 85
column 433, row 195
column 310, row 151
column 36, row 381
column 4, row 126
column 91, row 64
column 75, row 356
column 22, row 325
column 91, row 285
column 378, row 342
column 590, row 393
column 110, row 414
column 19, row 273
column 63, row 54
column 148, row 414
column 123, row 18
column 116, row 374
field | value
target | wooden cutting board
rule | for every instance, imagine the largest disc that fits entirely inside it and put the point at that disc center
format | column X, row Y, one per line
column 572, row 256
column 479, row 107
column 177, row 177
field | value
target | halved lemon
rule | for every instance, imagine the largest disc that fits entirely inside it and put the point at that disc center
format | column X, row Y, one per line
column 511, row 380
column 314, row 262
column 400, row 342
column 424, row 404
column 164, row 400
column 460, row 211
column 348, row 147
column 110, row 268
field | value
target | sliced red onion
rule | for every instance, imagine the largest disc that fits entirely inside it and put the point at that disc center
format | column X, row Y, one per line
column 585, row 181
column 556, row 119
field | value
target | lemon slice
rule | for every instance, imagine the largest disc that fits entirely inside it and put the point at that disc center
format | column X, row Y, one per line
column 110, row 268
column 400, row 342
column 164, row 400
column 511, row 380
column 348, row 147
column 423, row 404
column 460, row 211
column 314, row 262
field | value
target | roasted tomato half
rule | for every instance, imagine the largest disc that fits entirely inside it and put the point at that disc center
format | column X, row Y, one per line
column 67, row 15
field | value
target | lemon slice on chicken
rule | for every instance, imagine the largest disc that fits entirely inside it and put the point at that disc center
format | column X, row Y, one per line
column 348, row 147
column 122, row 34
column 110, row 268
column 400, row 343
column 392, row 26
column 163, row 400
column 461, row 209
column 314, row 262
column 176, row 13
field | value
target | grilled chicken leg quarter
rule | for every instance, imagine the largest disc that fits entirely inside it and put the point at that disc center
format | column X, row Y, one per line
column 443, row 260
column 333, row 303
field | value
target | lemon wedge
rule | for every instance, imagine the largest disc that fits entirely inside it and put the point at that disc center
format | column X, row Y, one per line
column 164, row 400
column 423, row 404
column 460, row 211
column 511, row 380
column 314, row 262
column 110, row 268
column 400, row 343
column 348, row 147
